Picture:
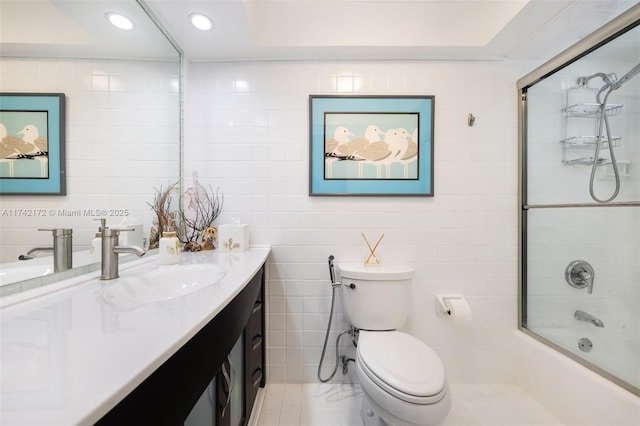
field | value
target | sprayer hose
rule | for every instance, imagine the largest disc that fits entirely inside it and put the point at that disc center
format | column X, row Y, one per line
column 326, row 339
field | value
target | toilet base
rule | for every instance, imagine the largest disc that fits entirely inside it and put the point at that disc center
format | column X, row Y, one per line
column 374, row 415
column 369, row 415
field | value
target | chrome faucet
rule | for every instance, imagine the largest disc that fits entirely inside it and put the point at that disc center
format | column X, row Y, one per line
column 111, row 249
column 35, row 250
column 62, row 249
column 587, row 317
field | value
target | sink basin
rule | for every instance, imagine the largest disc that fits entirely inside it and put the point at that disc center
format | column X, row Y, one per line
column 23, row 271
column 159, row 284
column 12, row 272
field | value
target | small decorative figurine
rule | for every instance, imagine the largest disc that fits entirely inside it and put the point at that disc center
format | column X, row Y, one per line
column 208, row 237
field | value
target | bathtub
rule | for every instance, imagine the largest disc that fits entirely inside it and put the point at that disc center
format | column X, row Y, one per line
column 575, row 394
column 614, row 351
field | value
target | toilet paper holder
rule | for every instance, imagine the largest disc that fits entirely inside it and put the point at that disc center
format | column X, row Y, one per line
column 441, row 304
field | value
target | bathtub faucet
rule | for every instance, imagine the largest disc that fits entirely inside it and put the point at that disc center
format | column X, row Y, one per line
column 587, row 317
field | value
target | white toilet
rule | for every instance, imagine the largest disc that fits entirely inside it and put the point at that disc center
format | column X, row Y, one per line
column 402, row 379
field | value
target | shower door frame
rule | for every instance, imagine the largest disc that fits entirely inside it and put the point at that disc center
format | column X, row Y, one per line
column 620, row 25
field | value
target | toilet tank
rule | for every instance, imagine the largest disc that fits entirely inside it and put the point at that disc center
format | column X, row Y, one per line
column 376, row 297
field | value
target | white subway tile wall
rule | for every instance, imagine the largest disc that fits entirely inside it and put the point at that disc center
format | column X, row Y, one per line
column 247, row 132
column 122, row 143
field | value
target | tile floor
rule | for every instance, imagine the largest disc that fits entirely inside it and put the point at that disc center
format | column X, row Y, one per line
column 339, row 405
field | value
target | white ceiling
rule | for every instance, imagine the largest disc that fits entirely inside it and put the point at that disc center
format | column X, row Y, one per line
column 306, row 29
column 79, row 29
column 384, row 29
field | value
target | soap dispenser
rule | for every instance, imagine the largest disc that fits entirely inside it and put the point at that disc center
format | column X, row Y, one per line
column 169, row 248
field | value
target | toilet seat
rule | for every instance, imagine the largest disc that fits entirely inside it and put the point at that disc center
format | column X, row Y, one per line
column 402, row 366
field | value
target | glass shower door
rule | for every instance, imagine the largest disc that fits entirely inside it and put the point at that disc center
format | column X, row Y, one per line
column 580, row 218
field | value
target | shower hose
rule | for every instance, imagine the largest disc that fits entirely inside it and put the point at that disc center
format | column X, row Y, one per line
column 334, row 286
column 611, row 83
column 604, row 122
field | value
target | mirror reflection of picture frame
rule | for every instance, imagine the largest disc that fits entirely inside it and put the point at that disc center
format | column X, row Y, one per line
column 32, row 143
column 371, row 145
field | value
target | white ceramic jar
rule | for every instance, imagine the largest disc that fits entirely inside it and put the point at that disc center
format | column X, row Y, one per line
column 169, row 248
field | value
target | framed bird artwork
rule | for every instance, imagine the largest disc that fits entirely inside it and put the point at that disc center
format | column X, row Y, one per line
column 32, row 142
column 371, row 145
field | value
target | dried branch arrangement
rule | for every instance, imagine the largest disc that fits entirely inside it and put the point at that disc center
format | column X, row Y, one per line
column 196, row 218
column 165, row 218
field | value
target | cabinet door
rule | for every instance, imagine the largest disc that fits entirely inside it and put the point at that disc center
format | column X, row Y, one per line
column 204, row 412
column 237, row 413
column 230, row 388
column 223, row 395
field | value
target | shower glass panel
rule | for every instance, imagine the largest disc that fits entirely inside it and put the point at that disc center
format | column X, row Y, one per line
column 558, row 237
column 580, row 200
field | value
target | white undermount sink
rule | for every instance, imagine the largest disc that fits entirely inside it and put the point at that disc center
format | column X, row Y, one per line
column 24, row 271
column 12, row 272
column 161, row 283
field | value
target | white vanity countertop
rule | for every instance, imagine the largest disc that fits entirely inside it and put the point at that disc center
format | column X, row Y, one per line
column 68, row 357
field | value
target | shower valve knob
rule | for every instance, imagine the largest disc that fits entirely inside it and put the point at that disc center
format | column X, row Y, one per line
column 579, row 274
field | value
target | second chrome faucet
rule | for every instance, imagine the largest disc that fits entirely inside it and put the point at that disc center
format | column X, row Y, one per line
column 62, row 249
column 111, row 249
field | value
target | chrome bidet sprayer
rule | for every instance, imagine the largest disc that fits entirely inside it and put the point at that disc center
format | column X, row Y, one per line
column 332, row 275
column 352, row 331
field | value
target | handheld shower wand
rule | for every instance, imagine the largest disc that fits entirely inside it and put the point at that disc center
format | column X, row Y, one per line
column 611, row 83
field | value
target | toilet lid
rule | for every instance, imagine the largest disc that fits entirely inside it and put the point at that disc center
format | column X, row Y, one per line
column 402, row 364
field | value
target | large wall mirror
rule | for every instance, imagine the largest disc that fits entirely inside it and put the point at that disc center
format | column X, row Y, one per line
column 122, row 125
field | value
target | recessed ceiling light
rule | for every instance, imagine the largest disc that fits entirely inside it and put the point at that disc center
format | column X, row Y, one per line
column 120, row 21
column 200, row 21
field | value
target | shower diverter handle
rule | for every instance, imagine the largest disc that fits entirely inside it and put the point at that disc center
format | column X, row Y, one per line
column 579, row 274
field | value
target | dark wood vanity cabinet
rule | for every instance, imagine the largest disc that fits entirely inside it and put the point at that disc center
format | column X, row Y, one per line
column 251, row 378
column 254, row 352
column 169, row 394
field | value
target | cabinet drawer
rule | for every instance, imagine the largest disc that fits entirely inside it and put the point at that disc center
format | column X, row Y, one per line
column 255, row 343
column 257, row 307
column 254, row 346
column 254, row 351
column 256, row 378
column 253, row 360
column 252, row 329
